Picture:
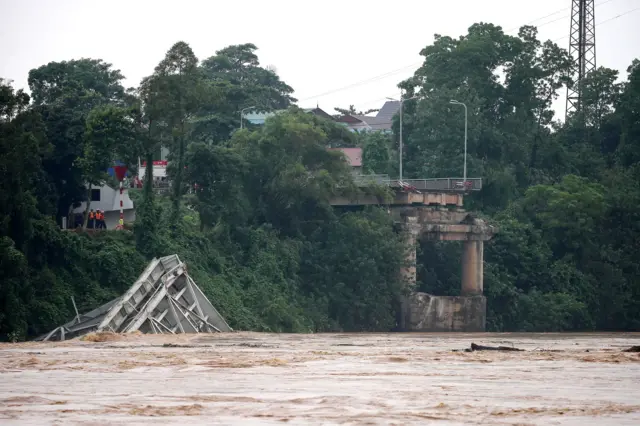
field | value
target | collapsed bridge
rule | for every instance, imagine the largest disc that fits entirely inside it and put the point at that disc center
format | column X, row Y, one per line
column 164, row 299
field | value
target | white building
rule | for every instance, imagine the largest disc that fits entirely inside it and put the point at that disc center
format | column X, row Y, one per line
column 159, row 169
column 107, row 199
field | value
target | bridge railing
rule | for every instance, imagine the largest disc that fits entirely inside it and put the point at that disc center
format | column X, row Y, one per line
column 443, row 184
column 435, row 184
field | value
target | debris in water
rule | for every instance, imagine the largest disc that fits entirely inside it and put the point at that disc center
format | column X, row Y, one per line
column 164, row 299
column 475, row 347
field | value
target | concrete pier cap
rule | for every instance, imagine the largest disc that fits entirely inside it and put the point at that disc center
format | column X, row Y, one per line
column 425, row 312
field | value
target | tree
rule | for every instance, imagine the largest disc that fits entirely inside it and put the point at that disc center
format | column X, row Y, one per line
column 628, row 111
column 376, row 153
column 216, row 173
column 293, row 174
column 64, row 93
column 23, row 145
column 179, row 92
column 352, row 111
column 240, row 82
column 507, row 117
column 352, row 272
column 599, row 93
column 251, row 83
column 111, row 135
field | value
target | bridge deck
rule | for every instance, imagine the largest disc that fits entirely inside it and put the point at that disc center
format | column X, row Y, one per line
column 436, row 192
column 432, row 185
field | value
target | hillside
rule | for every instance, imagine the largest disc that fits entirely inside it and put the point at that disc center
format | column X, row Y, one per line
column 259, row 234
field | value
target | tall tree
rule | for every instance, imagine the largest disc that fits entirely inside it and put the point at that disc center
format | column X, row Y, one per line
column 293, row 174
column 508, row 84
column 241, row 83
column 65, row 93
column 22, row 147
column 217, row 175
column 179, row 92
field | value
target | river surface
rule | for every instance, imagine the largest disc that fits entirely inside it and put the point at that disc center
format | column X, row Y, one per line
column 360, row 379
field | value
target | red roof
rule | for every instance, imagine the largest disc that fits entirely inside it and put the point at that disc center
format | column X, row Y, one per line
column 354, row 155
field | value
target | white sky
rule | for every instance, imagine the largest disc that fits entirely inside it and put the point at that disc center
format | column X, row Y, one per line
column 316, row 47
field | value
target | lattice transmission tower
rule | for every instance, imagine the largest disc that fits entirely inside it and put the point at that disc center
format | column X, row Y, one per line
column 582, row 48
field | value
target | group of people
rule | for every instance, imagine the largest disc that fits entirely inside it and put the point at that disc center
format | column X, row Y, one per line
column 96, row 220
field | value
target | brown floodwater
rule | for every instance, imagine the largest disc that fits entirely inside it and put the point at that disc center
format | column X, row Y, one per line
column 253, row 378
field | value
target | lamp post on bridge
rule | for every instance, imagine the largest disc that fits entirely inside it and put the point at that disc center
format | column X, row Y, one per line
column 242, row 114
column 464, row 177
column 400, row 134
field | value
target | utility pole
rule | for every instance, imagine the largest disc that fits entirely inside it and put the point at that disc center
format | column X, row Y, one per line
column 242, row 114
column 582, row 48
column 402, row 100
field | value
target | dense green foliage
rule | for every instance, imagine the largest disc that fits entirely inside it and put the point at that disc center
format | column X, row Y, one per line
column 566, row 197
column 258, row 233
column 249, row 209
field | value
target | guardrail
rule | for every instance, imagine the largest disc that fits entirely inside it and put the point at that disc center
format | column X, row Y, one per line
column 434, row 184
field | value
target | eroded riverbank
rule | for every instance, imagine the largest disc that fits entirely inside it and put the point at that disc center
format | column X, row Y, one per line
column 252, row 378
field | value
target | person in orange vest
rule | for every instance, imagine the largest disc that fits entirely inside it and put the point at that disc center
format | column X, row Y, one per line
column 101, row 224
column 92, row 219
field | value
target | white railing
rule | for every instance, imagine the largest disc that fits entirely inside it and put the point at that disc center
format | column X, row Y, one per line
column 434, row 184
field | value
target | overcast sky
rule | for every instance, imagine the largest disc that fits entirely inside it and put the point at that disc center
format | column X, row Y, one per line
column 316, row 47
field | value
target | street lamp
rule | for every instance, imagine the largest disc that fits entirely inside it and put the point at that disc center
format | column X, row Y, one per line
column 242, row 114
column 400, row 135
column 464, row 177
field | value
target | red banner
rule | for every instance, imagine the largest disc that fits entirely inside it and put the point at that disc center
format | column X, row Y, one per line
column 120, row 171
column 157, row 163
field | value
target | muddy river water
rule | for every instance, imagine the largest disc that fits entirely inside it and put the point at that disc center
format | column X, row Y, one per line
column 253, row 378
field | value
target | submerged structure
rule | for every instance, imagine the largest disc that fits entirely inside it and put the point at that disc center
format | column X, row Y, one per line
column 164, row 299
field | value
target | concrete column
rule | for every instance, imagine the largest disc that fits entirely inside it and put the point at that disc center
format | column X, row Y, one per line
column 472, row 268
column 411, row 230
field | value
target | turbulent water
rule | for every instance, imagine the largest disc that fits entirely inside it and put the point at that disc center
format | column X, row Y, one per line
column 251, row 378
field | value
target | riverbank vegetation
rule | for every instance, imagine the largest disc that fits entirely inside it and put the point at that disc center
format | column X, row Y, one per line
column 258, row 232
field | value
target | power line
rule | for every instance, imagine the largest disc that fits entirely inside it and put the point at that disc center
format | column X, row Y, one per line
column 390, row 73
column 539, row 19
column 372, row 79
column 606, row 20
column 558, row 39
column 555, row 20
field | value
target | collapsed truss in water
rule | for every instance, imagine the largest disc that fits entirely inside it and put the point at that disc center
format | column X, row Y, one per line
column 164, row 299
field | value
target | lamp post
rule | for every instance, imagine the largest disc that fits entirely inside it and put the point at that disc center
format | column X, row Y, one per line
column 400, row 134
column 242, row 114
column 464, row 176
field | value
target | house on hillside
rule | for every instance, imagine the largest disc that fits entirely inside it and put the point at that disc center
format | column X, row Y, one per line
column 320, row 113
column 381, row 122
column 354, row 158
column 107, row 199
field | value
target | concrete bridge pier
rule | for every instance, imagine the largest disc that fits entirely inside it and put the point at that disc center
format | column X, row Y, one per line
column 472, row 268
column 411, row 230
column 427, row 312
